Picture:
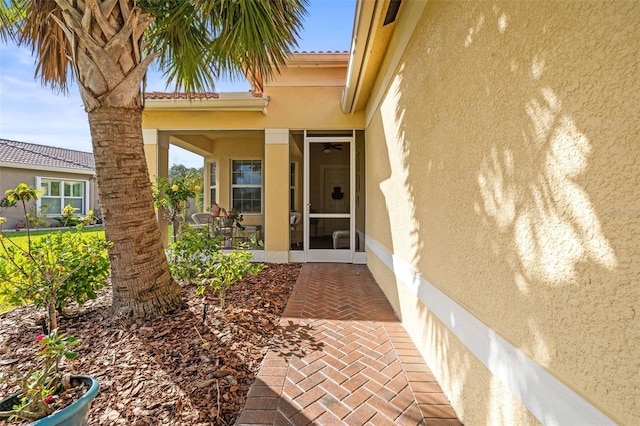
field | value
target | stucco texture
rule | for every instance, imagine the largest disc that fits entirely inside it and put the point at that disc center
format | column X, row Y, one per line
column 289, row 108
column 503, row 164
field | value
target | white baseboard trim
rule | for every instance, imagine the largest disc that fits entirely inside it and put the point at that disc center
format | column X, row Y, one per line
column 551, row 401
column 276, row 256
column 297, row 256
column 258, row 255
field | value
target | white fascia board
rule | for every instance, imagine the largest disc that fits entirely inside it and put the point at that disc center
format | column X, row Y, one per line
column 363, row 25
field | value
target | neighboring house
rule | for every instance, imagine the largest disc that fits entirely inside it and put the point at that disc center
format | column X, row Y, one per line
column 482, row 158
column 63, row 175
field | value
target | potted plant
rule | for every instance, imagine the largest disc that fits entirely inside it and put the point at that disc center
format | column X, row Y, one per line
column 231, row 217
column 46, row 397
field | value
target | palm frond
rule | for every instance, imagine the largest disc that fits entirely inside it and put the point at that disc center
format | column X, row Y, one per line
column 29, row 23
column 183, row 38
column 202, row 40
column 12, row 14
column 257, row 36
column 48, row 44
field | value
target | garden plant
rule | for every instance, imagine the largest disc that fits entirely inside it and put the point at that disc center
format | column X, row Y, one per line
column 54, row 269
column 48, row 272
column 172, row 197
column 224, row 269
column 194, row 248
column 40, row 386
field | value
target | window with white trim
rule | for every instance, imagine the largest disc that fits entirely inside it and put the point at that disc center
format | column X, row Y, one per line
column 58, row 193
column 212, row 183
column 246, row 186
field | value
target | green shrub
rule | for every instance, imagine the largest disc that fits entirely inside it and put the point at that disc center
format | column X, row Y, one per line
column 224, row 269
column 188, row 254
column 68, row 217
column 54, row 269
column 69, row 265
column 36, row 218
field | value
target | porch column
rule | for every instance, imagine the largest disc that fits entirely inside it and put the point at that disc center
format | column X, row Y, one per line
column 156, row 150
column 276, row 195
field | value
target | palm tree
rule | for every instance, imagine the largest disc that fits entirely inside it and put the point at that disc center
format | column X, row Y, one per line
column 107, row 46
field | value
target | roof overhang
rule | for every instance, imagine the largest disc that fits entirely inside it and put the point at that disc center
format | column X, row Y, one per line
column 372, row 32
column 317, row 59
column 46, row 168
column 230, row 101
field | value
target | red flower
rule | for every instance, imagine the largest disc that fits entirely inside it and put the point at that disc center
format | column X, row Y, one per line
column 48, row 399
column 40, row 337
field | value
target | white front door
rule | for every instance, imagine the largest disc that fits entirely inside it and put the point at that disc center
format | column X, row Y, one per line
column 329, row 184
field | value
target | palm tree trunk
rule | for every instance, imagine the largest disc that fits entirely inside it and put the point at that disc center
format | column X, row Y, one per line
column 141, row 280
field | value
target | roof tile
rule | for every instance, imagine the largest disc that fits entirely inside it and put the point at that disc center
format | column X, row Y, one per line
column 180, row 95
column 45, row 156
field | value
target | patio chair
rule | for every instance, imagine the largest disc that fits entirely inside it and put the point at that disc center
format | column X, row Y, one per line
column 202, row 220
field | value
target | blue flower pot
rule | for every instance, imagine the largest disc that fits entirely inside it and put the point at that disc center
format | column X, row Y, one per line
column 76, row 414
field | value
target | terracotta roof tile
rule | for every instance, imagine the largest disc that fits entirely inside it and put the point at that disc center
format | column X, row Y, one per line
column 183, row 95
column 180, row 95
column 328, row 52
column 45, row 156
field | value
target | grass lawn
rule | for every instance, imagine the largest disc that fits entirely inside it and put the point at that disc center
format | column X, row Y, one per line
column 20, row 238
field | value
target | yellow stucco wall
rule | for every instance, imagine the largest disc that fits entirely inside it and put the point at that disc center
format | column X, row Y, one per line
column 289, row 108
column 295, row 108
column 503, row 166
column 150, row 154
column 277, row 203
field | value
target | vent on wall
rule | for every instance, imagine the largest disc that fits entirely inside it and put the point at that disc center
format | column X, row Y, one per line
column 392, row 12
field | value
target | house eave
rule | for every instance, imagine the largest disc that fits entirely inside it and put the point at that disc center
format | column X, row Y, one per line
column 226, row 102
column 372, row 46
column 317, row 60
column 363, row 35
column 46, row 168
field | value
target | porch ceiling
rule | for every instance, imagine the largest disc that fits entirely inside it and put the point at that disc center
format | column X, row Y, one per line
column 201, row 141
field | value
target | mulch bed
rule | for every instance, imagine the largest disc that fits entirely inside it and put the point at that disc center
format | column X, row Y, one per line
column 173, row 370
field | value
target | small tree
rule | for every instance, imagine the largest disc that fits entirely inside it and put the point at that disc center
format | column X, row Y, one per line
column 171, row 197
column 190, row 252
column 224, row 269
column 58, row 267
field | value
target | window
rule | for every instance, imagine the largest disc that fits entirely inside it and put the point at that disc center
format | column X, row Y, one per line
column 57, row 194
column 292, row 186
column 212, row 183
column 246, row 186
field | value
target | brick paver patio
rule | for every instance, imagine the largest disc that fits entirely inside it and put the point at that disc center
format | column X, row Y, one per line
column 341, row 356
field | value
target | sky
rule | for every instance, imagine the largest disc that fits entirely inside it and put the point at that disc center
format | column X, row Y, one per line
column 32, row 113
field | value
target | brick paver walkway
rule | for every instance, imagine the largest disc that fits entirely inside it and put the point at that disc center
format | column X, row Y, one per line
column 341, row 356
